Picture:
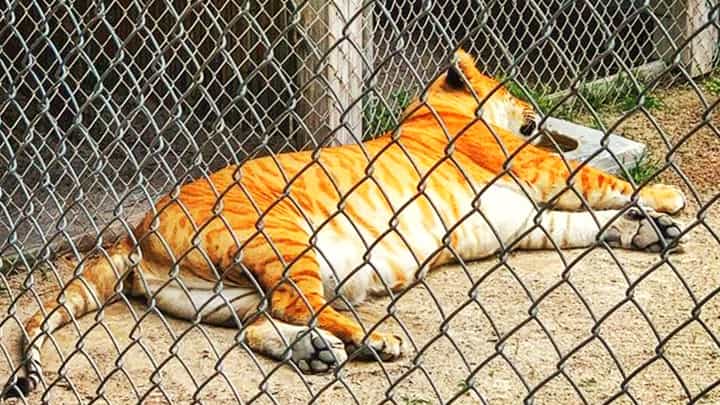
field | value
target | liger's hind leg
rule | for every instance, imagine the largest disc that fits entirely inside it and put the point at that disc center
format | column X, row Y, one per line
column 297, row 293
column 312, row 350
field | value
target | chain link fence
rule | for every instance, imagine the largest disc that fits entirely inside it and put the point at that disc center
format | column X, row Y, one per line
column 107, row 106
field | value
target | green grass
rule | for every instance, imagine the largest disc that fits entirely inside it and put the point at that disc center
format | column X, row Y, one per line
column 10, row 265
column 540, row 95
column 641, row 169
column 379, row 117
column 650, row 102
column 620, row 93
column 712, row 83
column 464, row 386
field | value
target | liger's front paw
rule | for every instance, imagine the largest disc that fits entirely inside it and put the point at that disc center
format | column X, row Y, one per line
column 663, row 198
column 652, row 232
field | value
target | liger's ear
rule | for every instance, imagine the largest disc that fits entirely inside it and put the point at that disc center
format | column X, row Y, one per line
column 461, row 70
column 454, row 78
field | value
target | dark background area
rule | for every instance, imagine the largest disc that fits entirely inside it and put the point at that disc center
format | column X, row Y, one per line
column 106, row 106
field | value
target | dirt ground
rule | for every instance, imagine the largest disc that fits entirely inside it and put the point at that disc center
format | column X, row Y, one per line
column 686, row 123
column 638, row 329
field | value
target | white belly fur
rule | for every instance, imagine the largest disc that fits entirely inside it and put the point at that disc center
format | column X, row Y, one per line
column 341, row 251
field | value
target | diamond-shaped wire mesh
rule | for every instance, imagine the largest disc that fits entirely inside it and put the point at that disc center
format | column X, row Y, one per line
column 108, row 106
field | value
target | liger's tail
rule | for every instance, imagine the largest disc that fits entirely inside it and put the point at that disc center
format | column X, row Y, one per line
column 84, row 293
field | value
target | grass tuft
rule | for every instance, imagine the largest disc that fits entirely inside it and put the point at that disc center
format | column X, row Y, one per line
column 540, row 95
column 641, row 169
column 620, row 93
column 648, row 101
column 712, row 83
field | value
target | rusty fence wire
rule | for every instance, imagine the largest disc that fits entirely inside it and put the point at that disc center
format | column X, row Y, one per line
column 107, row 106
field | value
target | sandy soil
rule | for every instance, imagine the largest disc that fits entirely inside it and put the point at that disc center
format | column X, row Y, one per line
column 636, row 329
column 603, row 330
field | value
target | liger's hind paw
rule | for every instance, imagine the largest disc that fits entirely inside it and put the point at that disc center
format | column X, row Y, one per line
column 653, row 232
column 318, row 352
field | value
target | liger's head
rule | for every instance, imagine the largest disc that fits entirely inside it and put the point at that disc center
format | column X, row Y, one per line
column 464, row 90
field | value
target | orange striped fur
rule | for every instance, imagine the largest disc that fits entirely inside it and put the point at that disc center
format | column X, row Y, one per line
column 320, row 230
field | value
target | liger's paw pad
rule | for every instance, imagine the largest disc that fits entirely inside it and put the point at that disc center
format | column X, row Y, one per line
column 318, row 352
column 653, row 232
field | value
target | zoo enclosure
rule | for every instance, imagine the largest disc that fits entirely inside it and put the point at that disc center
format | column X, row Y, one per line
column 106, row 106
